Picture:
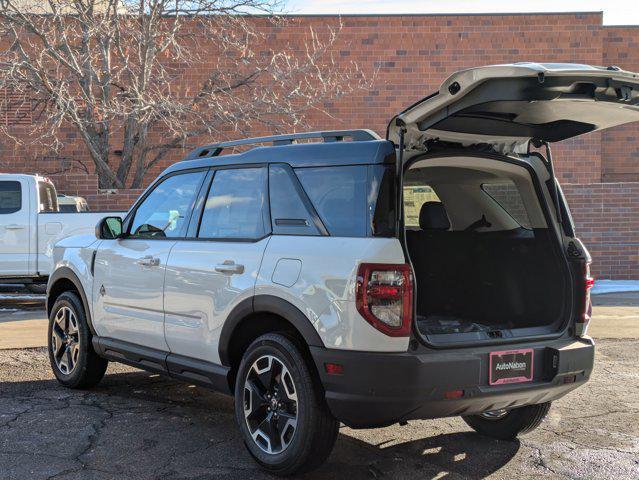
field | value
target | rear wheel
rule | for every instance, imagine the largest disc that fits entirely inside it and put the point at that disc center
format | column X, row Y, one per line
column 282, row 415
column 508, row 424
column 73, row 360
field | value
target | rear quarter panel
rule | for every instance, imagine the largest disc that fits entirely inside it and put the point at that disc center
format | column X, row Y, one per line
column 323, row 288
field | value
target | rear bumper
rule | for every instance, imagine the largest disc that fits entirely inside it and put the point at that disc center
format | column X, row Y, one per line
column 379, row 389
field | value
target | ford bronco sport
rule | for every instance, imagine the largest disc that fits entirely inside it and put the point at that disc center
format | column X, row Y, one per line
column 368, row 282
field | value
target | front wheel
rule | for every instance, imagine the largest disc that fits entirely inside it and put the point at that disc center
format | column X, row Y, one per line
column 508, row 424
column 73, row 360
column 282, row 415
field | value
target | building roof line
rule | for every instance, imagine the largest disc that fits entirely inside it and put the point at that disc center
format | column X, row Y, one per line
column 452, row 14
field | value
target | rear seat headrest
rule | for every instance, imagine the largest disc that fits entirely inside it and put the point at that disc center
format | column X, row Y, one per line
column 433, row 216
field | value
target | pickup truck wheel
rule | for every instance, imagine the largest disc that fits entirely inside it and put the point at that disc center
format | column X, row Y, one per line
column 508, row 424
column 282, row 414
column 73, row 360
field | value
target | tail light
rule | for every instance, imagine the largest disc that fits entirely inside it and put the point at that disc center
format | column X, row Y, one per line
column 582, row 326
column 385, row 297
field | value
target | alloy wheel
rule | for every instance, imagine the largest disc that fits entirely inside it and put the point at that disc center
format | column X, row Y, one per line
column 65, row 340
column 270, row 404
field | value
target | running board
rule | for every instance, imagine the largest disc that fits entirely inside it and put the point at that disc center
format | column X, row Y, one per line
column 190, row 370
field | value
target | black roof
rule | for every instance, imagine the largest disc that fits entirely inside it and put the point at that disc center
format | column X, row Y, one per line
column 319, row 154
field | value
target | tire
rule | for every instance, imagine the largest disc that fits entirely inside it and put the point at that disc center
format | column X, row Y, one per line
column 81, row 367
column 512, row 423
column 283, row 451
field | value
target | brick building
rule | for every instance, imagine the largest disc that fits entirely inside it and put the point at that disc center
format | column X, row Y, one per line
column 412, row 54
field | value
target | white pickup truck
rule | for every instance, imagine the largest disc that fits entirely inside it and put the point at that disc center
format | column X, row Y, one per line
column 31, row 224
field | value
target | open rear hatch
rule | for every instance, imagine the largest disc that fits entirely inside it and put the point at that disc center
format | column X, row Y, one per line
column 482, row 275
column 508, row 105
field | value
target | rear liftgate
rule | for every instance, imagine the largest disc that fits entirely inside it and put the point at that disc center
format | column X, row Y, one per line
column 508, row 108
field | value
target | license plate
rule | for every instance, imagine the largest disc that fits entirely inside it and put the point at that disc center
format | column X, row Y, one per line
column 511, row 366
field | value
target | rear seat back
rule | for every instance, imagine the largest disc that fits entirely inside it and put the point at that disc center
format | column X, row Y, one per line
column 439, row 259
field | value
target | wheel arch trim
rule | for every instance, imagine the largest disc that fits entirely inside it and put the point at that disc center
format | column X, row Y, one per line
column 65, row 273
column 267, row 304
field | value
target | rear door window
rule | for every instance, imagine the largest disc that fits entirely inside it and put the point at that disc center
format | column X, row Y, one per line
column 48, row 198
column 235, row 205
column 339, row 197
column 10, row 197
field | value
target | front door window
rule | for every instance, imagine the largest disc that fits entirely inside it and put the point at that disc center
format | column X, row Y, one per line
column 165, row 212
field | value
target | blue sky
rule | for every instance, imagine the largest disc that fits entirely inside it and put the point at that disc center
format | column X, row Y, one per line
column 616, row 12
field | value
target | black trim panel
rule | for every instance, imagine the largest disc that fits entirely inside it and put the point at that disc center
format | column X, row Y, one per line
column 266, row 304
column 203, row 373
column 131, row 354
column 65, row 273
column 191, row 370
column 379, row 389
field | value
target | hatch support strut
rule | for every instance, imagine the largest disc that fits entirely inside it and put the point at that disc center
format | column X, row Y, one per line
column 399, row 175
column 554, row 191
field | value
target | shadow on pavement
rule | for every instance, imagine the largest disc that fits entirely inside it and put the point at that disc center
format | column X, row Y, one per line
column 140, row 424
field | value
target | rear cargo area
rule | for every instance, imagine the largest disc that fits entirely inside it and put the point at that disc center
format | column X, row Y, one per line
column 486, row 264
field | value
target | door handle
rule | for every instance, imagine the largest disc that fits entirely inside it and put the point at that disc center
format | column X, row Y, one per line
column 13, row 226
column 229, row 266
column 149, row 261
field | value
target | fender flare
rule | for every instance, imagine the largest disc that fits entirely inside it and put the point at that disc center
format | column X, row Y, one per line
column 65, row 273
column 266, row 304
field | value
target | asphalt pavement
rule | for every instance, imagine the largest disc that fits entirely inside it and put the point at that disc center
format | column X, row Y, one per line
column 144, row 426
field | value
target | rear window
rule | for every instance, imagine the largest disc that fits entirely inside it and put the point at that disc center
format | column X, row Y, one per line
column 48, row 198
column 506, row 194
column 68, row 208
column 10, row 197
column 352, row 201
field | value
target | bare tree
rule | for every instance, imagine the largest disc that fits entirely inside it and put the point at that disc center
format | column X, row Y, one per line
column 114, row 70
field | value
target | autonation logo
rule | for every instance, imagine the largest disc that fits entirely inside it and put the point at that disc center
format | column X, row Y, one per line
column 511, row 366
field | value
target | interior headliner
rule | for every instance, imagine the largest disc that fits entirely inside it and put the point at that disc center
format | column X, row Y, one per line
column 457, row 181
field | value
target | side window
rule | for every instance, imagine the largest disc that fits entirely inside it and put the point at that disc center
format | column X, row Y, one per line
column 10, row 197
column 414, row 197
column 339, row 196
column 47, row 198
column 165, row 212
column 506, row 194
column 289, row 216
column 234, row 207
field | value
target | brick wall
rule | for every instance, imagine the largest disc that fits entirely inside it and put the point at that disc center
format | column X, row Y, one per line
column 411, row 55
column 606, row 217
column 86, row 185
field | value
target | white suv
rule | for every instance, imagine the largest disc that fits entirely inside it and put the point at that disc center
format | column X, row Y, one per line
column 370, row 281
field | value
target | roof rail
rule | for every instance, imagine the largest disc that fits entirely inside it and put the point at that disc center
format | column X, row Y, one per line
column 214, row 149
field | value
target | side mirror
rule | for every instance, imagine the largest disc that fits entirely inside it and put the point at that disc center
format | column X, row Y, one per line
column 109, row 228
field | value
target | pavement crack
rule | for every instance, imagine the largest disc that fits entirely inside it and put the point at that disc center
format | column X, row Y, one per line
column 17, row 416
